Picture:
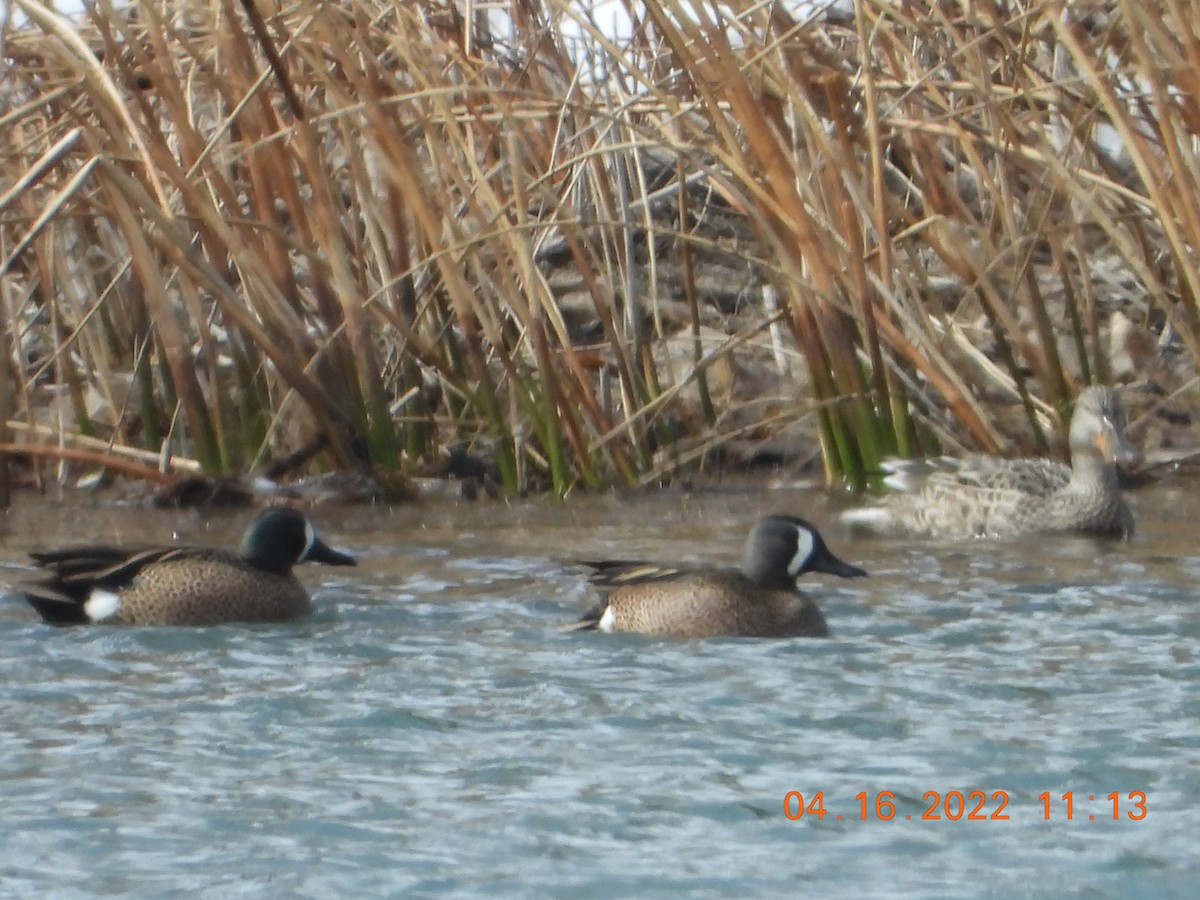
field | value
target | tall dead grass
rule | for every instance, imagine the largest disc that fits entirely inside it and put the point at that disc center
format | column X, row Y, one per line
column 351, row 235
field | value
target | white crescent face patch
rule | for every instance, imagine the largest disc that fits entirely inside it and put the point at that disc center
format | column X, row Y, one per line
column 310, row 538
column 805, row 544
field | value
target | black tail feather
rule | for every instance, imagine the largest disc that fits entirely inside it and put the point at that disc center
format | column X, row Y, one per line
column 56, row 609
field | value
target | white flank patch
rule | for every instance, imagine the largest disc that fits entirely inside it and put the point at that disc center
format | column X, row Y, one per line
column 901, row 481
column 101, row 605
column 608, row 620
column 804, row 550
column 868, row 515
column 265, row 486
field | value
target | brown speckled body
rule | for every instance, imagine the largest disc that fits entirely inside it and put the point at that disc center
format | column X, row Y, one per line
column 713, row 603
column 981, row 496
column 210, row 587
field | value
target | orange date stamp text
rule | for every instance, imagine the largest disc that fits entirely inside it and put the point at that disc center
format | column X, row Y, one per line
column 971, row 806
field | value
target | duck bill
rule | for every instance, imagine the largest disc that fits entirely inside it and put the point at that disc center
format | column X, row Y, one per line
column 322, row 553
column 1115, row 447
column 831, row 565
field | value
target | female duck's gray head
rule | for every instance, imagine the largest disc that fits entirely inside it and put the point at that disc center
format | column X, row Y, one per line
column 281, row 537
column 1098, row 426
column 782, row 548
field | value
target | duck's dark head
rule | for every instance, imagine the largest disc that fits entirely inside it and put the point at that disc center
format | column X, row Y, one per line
column 281, row 537
column 782, row 548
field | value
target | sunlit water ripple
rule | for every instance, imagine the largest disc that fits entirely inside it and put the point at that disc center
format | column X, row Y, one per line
column 429, row 732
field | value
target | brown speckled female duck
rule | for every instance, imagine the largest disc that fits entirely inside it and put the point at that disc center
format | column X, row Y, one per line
column 981, row 496
column 760, row 600
column 183, row 585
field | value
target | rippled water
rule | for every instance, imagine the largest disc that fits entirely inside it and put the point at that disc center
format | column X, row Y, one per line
column 428, row 732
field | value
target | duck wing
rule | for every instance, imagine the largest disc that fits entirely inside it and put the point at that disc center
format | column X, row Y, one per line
column 976, row 473
column 610, row 574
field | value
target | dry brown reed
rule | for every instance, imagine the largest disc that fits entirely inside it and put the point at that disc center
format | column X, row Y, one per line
column 379, row 228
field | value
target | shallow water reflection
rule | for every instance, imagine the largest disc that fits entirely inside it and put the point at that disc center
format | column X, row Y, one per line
column 428, row 731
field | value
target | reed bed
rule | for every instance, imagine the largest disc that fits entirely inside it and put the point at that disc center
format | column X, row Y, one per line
column 288, row 238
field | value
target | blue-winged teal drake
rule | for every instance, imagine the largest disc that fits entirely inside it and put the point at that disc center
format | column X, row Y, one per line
column 981, row 496
column 183, row 585
column 759, row 600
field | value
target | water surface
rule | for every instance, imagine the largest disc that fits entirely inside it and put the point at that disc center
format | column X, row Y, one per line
column 429, row 732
